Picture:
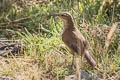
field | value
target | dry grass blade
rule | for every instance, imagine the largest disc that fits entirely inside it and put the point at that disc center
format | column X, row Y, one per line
column 101, row 7
column 109, row 36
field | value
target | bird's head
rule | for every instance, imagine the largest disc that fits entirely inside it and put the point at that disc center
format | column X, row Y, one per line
column 65, row 17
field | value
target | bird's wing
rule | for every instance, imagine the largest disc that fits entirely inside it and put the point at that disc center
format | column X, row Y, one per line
column 73, row 46
column 77, row 47
column 81, row 41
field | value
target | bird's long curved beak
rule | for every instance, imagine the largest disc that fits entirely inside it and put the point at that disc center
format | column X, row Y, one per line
column 56, row 14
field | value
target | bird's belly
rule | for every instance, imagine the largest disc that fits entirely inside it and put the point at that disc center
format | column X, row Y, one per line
column 68, row 41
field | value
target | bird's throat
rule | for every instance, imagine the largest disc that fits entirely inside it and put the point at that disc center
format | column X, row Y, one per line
column 68, row 25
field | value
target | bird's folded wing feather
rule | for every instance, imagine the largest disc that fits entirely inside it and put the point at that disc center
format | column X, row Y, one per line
column 77, row 46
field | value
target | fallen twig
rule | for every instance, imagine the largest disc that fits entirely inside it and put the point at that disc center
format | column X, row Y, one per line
column 18, row 20
column 13, row 47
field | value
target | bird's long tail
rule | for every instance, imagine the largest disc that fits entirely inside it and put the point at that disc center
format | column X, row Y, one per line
column 90, row 59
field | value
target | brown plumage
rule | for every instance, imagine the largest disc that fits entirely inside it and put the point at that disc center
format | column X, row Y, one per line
column 73, row 39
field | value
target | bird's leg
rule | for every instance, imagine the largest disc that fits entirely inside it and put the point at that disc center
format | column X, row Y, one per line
column 78, row 73
column 81, row 60
column 73, row 60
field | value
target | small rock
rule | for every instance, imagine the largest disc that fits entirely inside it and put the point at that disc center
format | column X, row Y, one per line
column 84, row 75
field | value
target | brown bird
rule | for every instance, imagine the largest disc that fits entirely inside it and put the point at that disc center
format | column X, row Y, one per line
column 73, row 38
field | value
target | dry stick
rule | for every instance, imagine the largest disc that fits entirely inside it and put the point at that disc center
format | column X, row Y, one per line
column 18, row 20
column 109, row 36
column 10, row 40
